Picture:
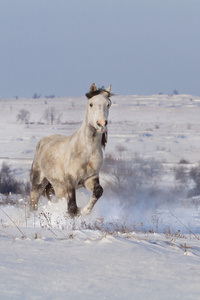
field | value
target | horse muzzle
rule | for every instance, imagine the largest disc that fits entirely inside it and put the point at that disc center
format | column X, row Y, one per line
column 101, row 125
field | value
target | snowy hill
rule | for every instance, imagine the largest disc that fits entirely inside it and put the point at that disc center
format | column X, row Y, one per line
column 141, row 240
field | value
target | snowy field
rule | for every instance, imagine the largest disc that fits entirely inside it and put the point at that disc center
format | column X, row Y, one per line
column 142, row 240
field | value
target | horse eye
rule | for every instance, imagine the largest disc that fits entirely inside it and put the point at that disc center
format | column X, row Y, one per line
column 91, row 104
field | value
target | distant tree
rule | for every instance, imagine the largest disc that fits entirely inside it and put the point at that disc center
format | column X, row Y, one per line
column 51, row 115
column 23, row 116
column 175, row 92
column 50, row 96
column 36, row 96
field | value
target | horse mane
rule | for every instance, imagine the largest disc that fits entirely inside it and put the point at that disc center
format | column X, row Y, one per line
column 104, row 139
column 94, row 92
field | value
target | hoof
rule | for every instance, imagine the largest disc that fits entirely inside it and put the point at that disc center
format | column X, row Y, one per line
column 33, row 207
column 73, row 211
column 85, row 212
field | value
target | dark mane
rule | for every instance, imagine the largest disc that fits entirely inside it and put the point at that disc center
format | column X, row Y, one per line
column 104, row 139
column 96, row 92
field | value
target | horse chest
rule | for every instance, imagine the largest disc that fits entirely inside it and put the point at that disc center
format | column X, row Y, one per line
column 86, row 166
column 92, row 165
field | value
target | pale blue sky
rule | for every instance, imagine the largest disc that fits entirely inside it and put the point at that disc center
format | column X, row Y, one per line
column 60, row 47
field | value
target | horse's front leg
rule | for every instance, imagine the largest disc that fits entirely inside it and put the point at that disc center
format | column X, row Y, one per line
column 71, row 200
column 92, row 185
column 69, row 194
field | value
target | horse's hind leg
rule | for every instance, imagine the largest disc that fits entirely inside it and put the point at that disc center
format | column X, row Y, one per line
column 48, row 192
column 38, row 184
column 92, row 185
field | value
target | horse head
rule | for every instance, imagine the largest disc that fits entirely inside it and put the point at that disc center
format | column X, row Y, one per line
column 98, row 107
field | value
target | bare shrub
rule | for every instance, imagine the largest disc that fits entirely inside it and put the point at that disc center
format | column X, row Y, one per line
column 27, row 188
column 132, row 180
column 195, row 176
column 181, row 174
column 8, row 184
column 183, row 161
column 135, row 180
column 51, row 115
column 23, row 116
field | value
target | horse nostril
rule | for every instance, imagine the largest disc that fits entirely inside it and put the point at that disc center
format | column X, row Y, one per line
column 102, row 123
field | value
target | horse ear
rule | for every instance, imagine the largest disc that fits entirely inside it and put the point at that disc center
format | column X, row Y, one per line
column 93, row 88
column 92, row 92
column 109, row 89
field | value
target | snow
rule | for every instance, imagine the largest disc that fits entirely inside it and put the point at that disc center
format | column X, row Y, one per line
column 144, row 249
column 88, row 264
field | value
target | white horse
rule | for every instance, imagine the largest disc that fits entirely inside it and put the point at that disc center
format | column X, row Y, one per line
column 64, row 164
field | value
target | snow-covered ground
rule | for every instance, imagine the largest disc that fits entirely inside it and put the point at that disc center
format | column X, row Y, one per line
column 133, row 248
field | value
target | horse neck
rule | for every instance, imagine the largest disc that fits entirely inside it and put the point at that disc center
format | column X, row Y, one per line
column 89, row 135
